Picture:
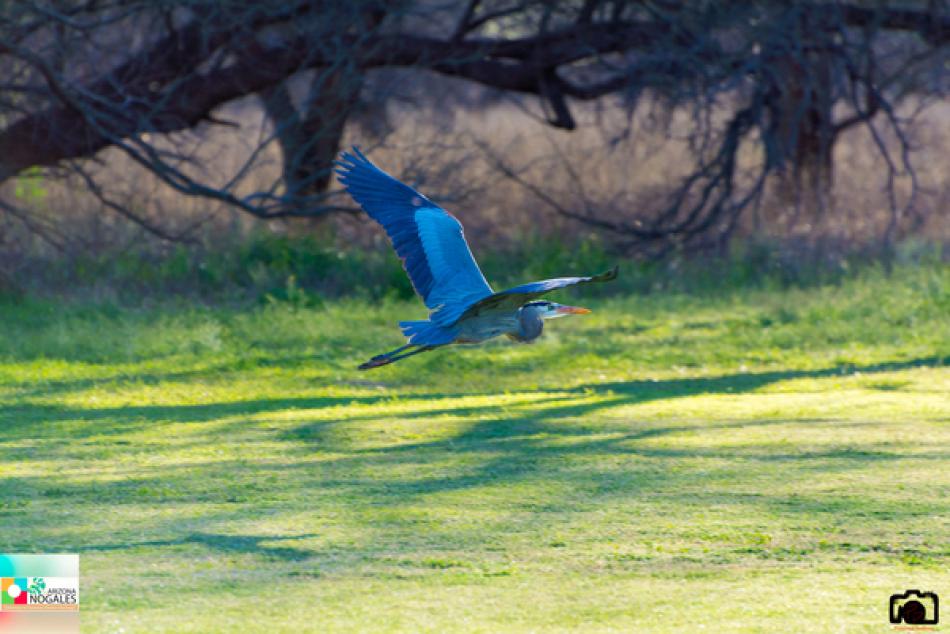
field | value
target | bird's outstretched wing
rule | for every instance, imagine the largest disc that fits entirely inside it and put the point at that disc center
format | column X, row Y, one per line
column 519, row 295
column 428, row 239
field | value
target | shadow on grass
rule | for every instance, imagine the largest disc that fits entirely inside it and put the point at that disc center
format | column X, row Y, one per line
column 217, row 542
column 564, row 403
column 572, row 468
column 609, row 394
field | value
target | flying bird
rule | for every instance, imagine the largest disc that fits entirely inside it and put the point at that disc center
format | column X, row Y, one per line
column 431, row 244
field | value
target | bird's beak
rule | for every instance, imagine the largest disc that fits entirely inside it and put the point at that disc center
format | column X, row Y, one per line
column 572, row 310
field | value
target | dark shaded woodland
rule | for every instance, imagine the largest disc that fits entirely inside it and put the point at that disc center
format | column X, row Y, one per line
column 756, row 94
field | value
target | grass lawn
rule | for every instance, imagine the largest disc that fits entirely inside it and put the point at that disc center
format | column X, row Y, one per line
column 757, row 461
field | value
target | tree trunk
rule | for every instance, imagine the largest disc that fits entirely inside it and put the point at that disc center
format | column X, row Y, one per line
column 309, row 136
column 802, row 125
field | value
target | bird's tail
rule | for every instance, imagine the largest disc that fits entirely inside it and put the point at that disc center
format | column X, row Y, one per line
column 427, row 333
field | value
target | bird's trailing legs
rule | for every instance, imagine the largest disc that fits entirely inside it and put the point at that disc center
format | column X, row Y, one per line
column 393, row 355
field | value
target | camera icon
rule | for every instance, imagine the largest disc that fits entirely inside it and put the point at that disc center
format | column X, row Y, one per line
column 915, row 608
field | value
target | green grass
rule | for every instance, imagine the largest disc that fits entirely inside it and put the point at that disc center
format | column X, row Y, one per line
column 307, row 270
column 759, row 460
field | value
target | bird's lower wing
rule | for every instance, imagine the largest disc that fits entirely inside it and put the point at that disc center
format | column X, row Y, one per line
column 520, row 295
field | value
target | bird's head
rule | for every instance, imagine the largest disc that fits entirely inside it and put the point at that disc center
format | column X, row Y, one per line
column 553, row 310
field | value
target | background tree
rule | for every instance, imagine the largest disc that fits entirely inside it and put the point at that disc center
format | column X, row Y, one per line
column 783, row 79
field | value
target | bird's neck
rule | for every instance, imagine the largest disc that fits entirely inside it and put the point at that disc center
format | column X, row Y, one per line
column 530, row 325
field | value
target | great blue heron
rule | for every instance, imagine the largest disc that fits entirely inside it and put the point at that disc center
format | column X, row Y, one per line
column 429, row 240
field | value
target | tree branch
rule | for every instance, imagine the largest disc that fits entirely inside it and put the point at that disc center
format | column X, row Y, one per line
column 99, row 115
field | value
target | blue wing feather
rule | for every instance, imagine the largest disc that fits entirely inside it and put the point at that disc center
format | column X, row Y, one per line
column 429, row 241
column 516, row 297
column 544, row 286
